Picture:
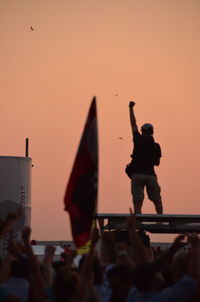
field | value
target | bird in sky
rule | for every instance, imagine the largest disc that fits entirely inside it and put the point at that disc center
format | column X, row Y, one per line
column 31, row 28
column 120, row 137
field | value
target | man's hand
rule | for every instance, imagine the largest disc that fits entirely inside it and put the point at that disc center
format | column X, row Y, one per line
column 132, row 117
column 9, row 222
column 131, row 104
column 49, row 252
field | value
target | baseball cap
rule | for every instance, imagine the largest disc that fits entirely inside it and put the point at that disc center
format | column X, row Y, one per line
column 147, row 127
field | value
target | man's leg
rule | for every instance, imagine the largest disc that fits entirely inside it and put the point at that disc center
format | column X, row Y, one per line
column 153, row 192
column 137, row 190
column 158, row 206
column 137, row 206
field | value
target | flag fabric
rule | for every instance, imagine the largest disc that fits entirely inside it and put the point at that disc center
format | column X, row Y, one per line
column 81, row 193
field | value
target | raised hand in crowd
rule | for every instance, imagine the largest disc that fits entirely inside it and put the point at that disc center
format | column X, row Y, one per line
column 47, row 265
column 10, row 221
column 140, row 252
column 68, row 258
column 108, row 248
column 165, row 258
column 86, row 283
column 37, row 278
column 14, row 250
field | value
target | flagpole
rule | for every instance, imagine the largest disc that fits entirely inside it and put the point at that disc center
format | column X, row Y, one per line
column 27, row 146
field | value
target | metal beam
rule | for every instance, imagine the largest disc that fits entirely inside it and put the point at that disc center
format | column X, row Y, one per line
column 153, row 223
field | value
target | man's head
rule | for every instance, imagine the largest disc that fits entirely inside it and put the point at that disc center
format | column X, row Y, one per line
column 120, row 281
column 179, row 265
column 146, row 277
column 147, row 129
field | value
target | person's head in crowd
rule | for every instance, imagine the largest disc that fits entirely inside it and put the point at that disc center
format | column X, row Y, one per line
column 147, row 278
column 65, row 285
column 97, row 269
column 120, row 281
column 122, row 242
column 179, row 265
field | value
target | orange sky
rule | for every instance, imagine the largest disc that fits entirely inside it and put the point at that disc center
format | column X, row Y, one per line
column 147, row 51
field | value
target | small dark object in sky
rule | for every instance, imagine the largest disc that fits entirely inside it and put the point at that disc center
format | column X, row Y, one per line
column 120, row 137
column 31, row 28
column 116, row 94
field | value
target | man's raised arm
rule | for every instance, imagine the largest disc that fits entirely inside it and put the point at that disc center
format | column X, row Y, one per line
column 132, row 117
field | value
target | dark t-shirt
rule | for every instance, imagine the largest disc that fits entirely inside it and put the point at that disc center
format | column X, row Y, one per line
column 146, row 154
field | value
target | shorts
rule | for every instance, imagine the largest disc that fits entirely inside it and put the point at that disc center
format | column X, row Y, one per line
column 139, row 182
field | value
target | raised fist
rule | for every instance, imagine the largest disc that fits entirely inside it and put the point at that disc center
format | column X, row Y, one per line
column 131, row 104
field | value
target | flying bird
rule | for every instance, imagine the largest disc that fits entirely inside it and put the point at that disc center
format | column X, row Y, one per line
column 31, row 28
column 120, row 137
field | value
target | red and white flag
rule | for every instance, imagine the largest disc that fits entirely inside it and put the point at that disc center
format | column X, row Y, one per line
column 81, row 193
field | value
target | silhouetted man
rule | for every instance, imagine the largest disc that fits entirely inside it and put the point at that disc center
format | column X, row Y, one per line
column 146, row 155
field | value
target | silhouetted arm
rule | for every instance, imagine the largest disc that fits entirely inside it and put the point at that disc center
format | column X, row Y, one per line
column 10, row 221
column 47, row 265
column 37, row 278
column 108, row 251
column 132, row 117
column 166, row 257
column 86, row 284
column 137, row 245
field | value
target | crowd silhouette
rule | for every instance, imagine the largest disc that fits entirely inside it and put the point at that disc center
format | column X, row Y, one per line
column 118, row 271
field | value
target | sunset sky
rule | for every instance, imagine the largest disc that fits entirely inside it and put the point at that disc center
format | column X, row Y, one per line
column 141, row 50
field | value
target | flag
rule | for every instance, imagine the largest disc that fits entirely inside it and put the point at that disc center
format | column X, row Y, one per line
column 81, row 193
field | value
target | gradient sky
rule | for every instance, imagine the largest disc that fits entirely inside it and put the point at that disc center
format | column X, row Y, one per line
column 141, row 50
